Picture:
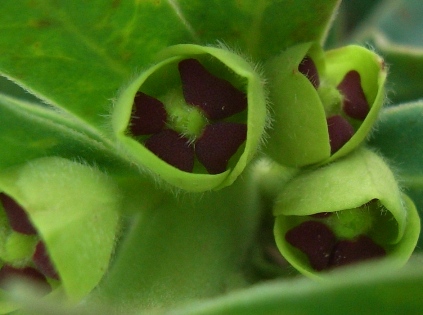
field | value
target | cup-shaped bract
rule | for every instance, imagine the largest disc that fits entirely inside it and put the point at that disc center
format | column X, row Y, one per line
column 324, row 103
column 60, row 219
column 348, row 211
column 194, row 119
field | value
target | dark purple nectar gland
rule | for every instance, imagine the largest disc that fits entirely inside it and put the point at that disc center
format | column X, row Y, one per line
column 316, row 240
column 172, row 148
column 340, row 132
column 18, row 218
column 351, row 251
column 43, row 263
column 308, row 68
column 217, row 97
column 149, row 115
column 9, row 273
column 319, row 243
column 355, row 104
column 218, row 143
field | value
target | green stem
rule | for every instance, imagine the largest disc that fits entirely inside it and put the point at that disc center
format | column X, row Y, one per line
column 191, row 246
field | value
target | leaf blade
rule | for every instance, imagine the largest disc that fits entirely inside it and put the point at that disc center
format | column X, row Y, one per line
column 259, row 28
column 368, row 289
column 90, row 52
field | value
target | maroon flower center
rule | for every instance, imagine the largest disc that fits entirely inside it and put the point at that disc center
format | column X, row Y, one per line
column 325, row 251
column 18, row 219
column 220, row 137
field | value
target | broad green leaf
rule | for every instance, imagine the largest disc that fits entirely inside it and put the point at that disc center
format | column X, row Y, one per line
column 398, row 137
column 355, row 12
column 259, row 28
column 399, row 20
column 185, row 248
column 76, row 55
column 28, row 131
column 405, row 64
column 366, row 289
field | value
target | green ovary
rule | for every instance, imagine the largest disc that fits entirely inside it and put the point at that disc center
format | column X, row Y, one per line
column 331, row 99
column 352, row 222
column 186, row 119
column 18, row 249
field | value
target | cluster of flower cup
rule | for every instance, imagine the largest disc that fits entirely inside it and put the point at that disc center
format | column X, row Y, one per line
column 344, row 205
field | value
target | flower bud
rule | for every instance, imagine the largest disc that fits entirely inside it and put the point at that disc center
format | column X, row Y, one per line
column 71, row 219
column 324, row 104
column 346, row 212
column 194, row 119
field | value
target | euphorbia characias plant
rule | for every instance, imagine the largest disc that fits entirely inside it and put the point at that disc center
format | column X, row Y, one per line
column 217, row 168
column 195, row 119
column 59, row 226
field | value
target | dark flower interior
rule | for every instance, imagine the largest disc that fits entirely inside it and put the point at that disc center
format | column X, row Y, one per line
column 201, row 135
column 325, row 249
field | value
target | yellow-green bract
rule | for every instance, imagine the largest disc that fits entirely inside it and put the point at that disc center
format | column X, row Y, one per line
column 300, row 136
column 164, row 77
column 349, row 184
column 74, row 208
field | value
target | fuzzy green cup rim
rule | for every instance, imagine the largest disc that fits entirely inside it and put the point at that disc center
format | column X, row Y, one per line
column 195, row 182
column 348, row 183
column 74, row 208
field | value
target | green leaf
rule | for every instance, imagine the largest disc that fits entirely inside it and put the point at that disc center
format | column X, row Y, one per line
column 76, row 55
column 355, row 12
column 398, row 137
column 28, row 131
column 405, row 69
column 9, row 88
column 400, row 21
column 367, row 289
column 260, row 28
